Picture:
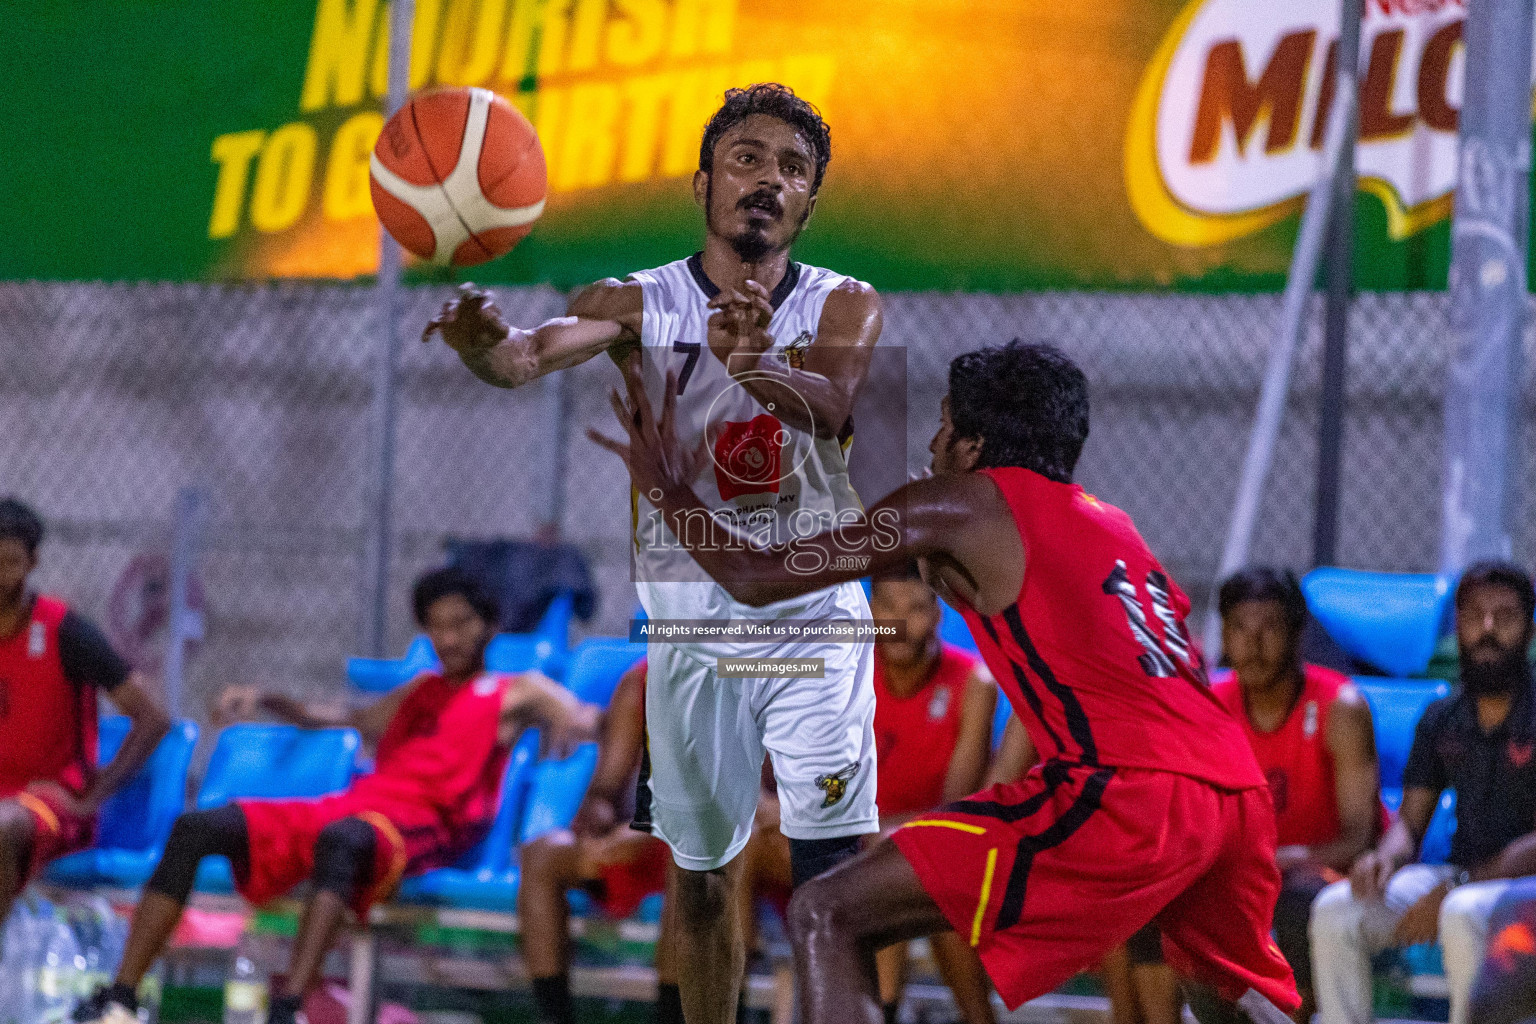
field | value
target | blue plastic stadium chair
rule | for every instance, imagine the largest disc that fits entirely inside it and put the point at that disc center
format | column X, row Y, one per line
column 1436, row 847
column 596, row 665
column 1396, row 707
column 1391, row 620
column 380, row 675
column 485, row 877
column 134, row 822
column 525, row 652
column 555, row 623
column 558, row 788
column 274, row 762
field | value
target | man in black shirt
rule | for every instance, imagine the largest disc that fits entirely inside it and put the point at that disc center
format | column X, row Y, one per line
column 1481, row 742
column 53, row 662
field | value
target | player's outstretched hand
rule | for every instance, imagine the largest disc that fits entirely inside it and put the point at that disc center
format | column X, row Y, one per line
column 470, row 323
column 656, row 459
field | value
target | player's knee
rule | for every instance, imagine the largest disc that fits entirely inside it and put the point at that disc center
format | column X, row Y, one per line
column 543, row 859
column 1336, row 913
column 702, row 896
column 817, row 907
column 343, row 856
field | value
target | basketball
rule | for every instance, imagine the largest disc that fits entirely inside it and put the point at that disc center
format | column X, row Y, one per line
column 458, row 176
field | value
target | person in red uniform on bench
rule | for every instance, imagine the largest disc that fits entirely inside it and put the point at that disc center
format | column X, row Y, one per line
column 1148, row 804
column 933, row 732
column 433, row 794
column 53, row 662
column 620, row 866
column 1311, row 731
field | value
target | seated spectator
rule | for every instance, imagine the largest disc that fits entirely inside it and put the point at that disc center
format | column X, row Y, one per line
column 53, row 663
column 442, row 752
column 1478, row 741
column 1311, row 732
column 619, row 866
column 933, row 729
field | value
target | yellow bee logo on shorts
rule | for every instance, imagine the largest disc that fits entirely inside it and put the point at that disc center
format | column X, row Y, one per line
column 836, row 784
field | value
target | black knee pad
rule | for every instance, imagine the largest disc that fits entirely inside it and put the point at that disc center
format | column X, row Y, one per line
column 344, row 854
column 810, row 857
column 196, row 835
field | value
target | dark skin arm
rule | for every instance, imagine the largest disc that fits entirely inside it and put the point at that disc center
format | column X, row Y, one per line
column 957, row 523
column 819, row 397
column 618, row 754
column 148, row 724
column 243, row 702
column 1357, row 782
column 603, row 317
column 1015, row 756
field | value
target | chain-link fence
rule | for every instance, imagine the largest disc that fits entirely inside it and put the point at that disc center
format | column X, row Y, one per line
column 113, row 397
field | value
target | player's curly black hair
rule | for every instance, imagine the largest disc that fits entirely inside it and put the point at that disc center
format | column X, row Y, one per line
column 19, row 522
column 440, row 583
column 1026, row 401
column 1265, row 583
column 777, row 101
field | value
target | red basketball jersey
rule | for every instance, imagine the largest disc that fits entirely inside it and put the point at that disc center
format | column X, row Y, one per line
column 442, row 748
column 47, row 723
column 1295, row 757
column 915, row 736
column 1094, row 655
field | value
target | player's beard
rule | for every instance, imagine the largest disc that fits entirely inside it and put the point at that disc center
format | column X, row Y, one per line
column 751, row 245
column 1506, row 674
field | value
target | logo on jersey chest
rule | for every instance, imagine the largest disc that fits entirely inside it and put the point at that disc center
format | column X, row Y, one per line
column 835, row 785
column 748, row 456
column 794, row 352
column 939, row 705
column 1309, row 720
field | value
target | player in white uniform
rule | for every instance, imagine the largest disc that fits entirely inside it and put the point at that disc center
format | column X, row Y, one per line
column 768, row 356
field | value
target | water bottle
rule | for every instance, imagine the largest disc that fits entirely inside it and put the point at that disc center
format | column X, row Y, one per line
column 58, row 971
column 245, row 993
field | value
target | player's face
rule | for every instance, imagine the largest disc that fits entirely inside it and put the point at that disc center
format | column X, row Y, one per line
column 15, row 566
column 1493, row 632
column 912, row 602
column 458, row 634
column 758, row 195
column 952, row 454
column 1258, row 643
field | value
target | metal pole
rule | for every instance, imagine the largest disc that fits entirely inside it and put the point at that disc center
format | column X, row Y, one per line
column 380, row 527
column 1339, row 274
column 1489, row 238
column 186, row 622
column 1277, row 375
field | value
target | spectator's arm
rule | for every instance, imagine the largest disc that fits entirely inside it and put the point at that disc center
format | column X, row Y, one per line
column 1015, row 755
column 968, row 763
column 148, row 724
column 537, row 700
column 1357, row 782
column 240, row 702
column 617, row 755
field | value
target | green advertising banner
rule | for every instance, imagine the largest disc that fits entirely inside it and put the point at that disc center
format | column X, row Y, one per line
column 978, row 144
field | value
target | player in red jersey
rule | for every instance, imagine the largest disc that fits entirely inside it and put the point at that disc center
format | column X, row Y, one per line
column 53, row 662
column 934, row 704
column 1148, row 804
column 432, row 795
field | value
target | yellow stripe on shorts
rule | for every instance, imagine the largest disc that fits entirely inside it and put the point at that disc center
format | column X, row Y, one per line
column 959, row 826
column 986, row 895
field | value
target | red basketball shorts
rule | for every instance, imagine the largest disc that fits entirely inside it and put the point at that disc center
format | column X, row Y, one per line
column 621, row 886
column 1046, row 875
column 410, row 838
column 56, row 831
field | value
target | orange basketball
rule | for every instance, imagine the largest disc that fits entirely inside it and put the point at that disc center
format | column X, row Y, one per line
column 458, row 176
